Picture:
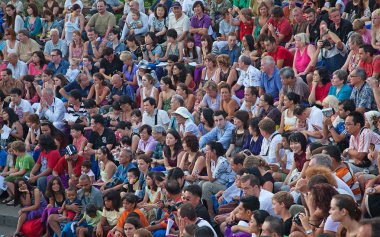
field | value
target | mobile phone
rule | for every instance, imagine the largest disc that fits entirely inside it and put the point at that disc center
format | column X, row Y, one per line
column 328, row 112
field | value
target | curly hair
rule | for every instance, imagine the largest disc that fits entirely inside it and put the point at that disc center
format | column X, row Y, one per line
column 49, row 189
column 326, row 172
column 323, row 194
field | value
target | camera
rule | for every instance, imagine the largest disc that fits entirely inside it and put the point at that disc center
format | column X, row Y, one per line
column 296, row 219
column 143, row 47
column 328, row 112
column 174, row 207
column 326, row 44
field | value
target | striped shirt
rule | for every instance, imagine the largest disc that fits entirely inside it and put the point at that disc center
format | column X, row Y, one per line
column 346, row 174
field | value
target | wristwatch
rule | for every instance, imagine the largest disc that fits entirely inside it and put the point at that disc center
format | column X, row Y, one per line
column 308, row 232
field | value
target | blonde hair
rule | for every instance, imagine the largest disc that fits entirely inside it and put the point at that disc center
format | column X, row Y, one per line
column 125, row 55
column 315, row 170
column 303, row 38
column 332, row 102
column 211, row 85
column 223, row 59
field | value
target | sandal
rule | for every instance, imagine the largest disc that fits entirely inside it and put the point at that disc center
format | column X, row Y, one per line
column 11, row 202
column 5, row 201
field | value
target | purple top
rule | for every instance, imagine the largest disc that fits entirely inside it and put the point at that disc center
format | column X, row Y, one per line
column 150, row 145
column 228, row 233
column 204, row 22
column 129, row 74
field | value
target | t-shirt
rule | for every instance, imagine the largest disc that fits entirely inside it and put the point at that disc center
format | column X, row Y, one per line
column 125, row 214
column 315, row 118
column 322, row 92
column 111, row 67
column 112, row 216
column 48, row 160
column 25, row 162
column 23, row 107
column 93, row 221
column 62, row 166
column 371, row 67
column 101, row 23
column 282, row 53
column 265, row 199
column 97, row 140
column 76, row 86
column 283, row 27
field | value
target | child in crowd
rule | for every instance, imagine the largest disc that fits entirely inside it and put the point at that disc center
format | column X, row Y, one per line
column 79, row 140
column 90, row 219
column 86, row 169
column 72, row 198
column 73, row 70
column 133, row 182
column 136, row 117
column 111, row 213
column 301, row 125
column 136, row 23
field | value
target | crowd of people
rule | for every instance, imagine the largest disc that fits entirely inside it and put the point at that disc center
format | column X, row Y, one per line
column 193, row 118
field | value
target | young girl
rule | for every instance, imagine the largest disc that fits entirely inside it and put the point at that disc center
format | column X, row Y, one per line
column 31, row 94
column 151, row 198
column 79, row 140
column 167, row 91
column 143, row 163
column 198, row 99
column 92, row 217
column 73, row 70
column 206, row 121
column 31, row 140
column 192, row 53
column 136, row 23
column 32, row 203
column 136, row 118
column 148, row 90
column 86, row 169
column 111, row 213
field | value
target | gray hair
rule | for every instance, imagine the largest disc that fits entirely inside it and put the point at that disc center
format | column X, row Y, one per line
column 341, row 74
column 356, row 39
column 361, row 73
column 268, row 60
column 48, row 91
column 179, row 99
column 54, row 30
column 84, row 177
column 245, row 59
column 13, row 55
column 323, row 160
column 287, row 72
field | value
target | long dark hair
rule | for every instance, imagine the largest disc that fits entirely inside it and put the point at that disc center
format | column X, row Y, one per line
column 182, row 75
column 250, row 42
column 32, row 89
column 208, row 114
column 152, row 175
column 49, row 189
column 41, row 56
column 323, row 74
column 11, row 19
column 114, row 196
column 187, row 50
column 46, row 143
column 177, row 146
column 107, row 152
column 209, row 42
column 12, row 116
column 17, row 191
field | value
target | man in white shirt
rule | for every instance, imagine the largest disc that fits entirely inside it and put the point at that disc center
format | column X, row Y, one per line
column 179, row 21
column 143, row 18
column 314, row 121
column 18, row 67
column 251, row 101
column 153, row 116
column 249, row 75
column 21, row 107
column 271, row 138
column 51, row 108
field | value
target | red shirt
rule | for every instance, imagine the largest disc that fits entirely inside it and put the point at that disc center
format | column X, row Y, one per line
column 62, row 166
column 48, row 160
column 246, row 29
column 283, row 27
column 283, row 53
column 371, row 67
column 322, row 92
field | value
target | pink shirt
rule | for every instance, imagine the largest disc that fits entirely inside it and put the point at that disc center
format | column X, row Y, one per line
column 302, row 60
column 367, row 37
column 33, row 70
column 3, row 66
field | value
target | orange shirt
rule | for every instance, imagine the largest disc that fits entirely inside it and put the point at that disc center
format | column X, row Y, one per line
column 123, row 216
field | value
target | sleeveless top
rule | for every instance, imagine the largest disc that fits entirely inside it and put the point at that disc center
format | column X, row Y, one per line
column 353, row 62
column 189, row 166
column 289, row 122
column 11, row 50
column 77, row 53
column 143, row 93
column 302, row 60
column 166, row 104
column 174, row 51
column 70, row 27
column 224, row 76
column 212, row 78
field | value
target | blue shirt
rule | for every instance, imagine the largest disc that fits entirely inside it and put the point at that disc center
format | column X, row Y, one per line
column 343, row 94
column 61, row 69
column 119, row 48
column 232, row 54
column 75, row 85
column 121, row 173
column 271, row 85
column 220, row 135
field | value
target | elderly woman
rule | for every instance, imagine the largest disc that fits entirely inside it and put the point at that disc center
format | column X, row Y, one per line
column 339, row 87
column 354, row 42
column 320, row 86
column 375, row 29
column 331, row 102
column 302, row 63
column 372, row 120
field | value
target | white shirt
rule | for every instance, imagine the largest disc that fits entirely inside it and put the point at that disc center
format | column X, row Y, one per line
column 55, row 112
column 254, row 108
column 162, row 118
column 265, row 199
column 268, row 148
column 201, row 222
column 343, row 186
column 187, row 7
column 189, row 127
column 248, row 78
column 181, row 25
column 20, row 70
column 23, row 107
column 315, row 118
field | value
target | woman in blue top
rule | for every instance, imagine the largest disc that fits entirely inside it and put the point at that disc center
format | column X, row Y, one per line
column 33, row 22
column 339, row 87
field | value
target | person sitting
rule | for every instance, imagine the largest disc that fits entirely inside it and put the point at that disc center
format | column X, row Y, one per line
column 362, row 93
column 368, row 62
column 26, row 45
column 17, row 67
column 57, row 63
column 55, row 43
column 281, row 56
column 103, row 21
column 51, row 108
column 142, row 18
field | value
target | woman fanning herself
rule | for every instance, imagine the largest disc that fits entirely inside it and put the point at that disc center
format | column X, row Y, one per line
column 343, row 209
column 172, row 149
column 31, row 200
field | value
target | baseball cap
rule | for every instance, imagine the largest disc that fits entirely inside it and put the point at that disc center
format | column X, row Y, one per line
column 176, row 4
column 71, row 150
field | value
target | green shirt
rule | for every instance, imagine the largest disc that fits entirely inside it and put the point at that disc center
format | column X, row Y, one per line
column 93, row 221
column 241, row 3
column 25, row 162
